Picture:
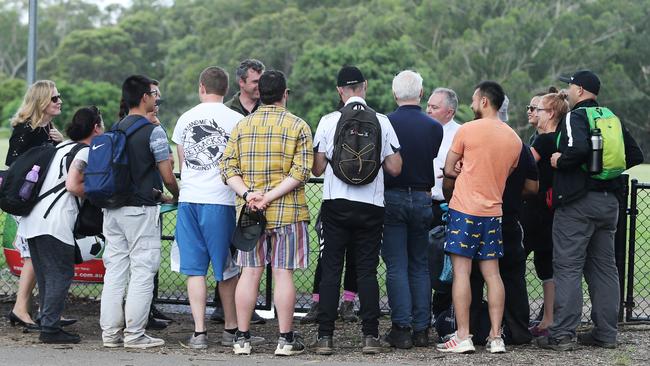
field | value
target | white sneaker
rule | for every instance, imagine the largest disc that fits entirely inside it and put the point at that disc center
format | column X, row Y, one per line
column 228, row 339
column 456, row 345
column 242, row 346
column 495, row 345
column 114, row 343
column 143, row 342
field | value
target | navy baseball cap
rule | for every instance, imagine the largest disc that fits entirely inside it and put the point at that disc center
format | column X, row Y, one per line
column 584, row 78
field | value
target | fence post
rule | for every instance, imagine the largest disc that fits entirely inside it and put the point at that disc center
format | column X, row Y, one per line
column 619, row 243
column 629, row 302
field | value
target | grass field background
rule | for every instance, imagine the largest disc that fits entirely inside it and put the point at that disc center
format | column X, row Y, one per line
column 172, row 285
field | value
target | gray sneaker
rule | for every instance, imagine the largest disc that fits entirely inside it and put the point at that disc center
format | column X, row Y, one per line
column 198, row 342
column 228, row 339
column 286, row 348
column 324, row 345
column 346, row 312
column 113, row 343
column 371, row 345
column 144, row 341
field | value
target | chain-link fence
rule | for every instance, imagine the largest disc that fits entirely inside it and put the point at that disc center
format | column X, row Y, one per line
column 637, row 299
column 172, row 288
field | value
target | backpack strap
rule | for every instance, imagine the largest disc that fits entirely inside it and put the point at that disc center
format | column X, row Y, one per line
column 133, row 127
column 68, row 158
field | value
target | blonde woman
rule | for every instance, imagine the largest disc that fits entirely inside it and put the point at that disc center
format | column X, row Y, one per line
column 550, row 110
column 32, row 126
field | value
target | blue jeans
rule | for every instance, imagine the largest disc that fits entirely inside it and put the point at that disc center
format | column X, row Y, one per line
column 404, row 250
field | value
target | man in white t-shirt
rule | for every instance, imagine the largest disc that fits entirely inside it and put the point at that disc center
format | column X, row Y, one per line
column 352, row 217
column 206, row 209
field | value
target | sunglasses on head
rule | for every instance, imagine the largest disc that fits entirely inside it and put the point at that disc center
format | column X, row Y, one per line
column 56, row 98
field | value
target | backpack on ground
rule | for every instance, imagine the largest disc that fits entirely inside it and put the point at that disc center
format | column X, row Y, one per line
column 14, row 178
column 107, row 180
column 356, row 158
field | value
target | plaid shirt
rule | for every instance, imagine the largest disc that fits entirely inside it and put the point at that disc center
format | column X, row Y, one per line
column 264, row 148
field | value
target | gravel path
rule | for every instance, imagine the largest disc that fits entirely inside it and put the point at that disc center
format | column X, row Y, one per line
column 634, row 348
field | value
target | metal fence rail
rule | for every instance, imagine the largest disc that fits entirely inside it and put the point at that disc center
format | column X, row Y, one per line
column 171, row 287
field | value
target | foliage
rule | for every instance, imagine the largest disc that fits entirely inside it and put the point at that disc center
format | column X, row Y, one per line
column 523, row 44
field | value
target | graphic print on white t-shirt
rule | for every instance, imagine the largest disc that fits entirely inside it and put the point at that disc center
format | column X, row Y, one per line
column 203, row 132
column 203, row 143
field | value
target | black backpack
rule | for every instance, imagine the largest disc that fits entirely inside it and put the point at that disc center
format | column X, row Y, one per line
column 356, row 158
column 13, row 179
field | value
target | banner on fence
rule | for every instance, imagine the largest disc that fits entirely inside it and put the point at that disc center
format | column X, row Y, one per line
column 91, row 270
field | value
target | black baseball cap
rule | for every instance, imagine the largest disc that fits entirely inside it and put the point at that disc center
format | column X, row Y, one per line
column 349, row 75
column 584, row 78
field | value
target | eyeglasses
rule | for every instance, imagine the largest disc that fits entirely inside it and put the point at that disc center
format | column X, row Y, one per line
column 531, row 108
column 56, row 98
column 154, row 92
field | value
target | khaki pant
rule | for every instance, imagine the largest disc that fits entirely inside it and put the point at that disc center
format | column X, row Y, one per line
column 131, row 258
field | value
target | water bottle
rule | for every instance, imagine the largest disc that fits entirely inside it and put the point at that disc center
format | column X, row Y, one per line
column 596, row 155
column 30, row 181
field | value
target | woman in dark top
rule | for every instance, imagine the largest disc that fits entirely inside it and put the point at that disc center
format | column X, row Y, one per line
column 32, row 127
column 551, row 108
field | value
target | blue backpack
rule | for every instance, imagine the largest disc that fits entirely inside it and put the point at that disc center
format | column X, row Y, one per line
column 107, row 180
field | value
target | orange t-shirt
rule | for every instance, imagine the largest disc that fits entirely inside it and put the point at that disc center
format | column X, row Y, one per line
column 490, row 150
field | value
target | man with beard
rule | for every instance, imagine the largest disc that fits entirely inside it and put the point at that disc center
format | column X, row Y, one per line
column 247, row 98
column 481, row 156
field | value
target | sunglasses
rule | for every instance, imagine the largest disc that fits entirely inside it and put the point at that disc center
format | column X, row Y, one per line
column 530, row 108
column 56, row 98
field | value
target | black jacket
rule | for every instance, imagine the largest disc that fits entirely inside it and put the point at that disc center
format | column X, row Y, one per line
column 571, row 182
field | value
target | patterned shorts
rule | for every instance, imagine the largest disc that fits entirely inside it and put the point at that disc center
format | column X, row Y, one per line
column 474, row 236
column 284, row 247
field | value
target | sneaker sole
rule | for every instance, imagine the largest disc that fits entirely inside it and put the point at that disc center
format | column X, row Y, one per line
column 283, row 352
column 113, row 345
column 241, row 351
column 324, row 351
column 464, row 350
column 253, row 343
column 497, row 351
column 371, row 350
column 144, row 346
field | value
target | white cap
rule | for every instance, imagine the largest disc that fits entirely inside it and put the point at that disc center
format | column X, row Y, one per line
column 503, row 111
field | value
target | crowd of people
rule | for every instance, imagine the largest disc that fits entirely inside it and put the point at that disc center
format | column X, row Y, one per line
column 245, row 162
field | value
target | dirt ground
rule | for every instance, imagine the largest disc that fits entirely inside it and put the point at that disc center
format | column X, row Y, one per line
column 634, row 348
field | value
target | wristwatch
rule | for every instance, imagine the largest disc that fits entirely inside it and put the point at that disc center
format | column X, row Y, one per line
column 245, row 195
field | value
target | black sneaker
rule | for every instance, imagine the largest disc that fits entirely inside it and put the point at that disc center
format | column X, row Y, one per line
column 421, row 338
column 312, row 315
column 371, row 345
column 399, row 337
column 217, row 316
column 587, row 339
column 256, row 319
column 160, row 315
column 60, row 337
column 155, row 324
column 556, row 344
column 324, row 345
column 346, row 312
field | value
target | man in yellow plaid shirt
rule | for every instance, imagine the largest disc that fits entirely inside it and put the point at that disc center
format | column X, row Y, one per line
column 267, row 162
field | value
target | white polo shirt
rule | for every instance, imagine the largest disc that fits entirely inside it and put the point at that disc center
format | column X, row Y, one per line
column 448, row 133
column 333, row 187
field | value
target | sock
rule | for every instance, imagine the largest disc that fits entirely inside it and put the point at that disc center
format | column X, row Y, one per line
column 349, row 295
column 287, row 336
column 246, row 334
column 231, row 331
column 315, row 297
column 196, row 334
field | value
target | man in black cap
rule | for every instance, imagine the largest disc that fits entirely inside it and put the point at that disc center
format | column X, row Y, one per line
column 352, row 215
column 584, row 224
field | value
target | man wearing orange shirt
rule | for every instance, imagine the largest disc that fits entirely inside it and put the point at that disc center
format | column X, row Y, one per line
column 482, row 155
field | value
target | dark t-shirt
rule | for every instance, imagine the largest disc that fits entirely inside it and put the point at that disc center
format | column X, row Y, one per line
column 526, row 169
column 24, row 138
column 545, row 146
column 419, row 137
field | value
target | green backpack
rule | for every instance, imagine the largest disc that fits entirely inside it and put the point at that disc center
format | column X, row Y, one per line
column 613, row 146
